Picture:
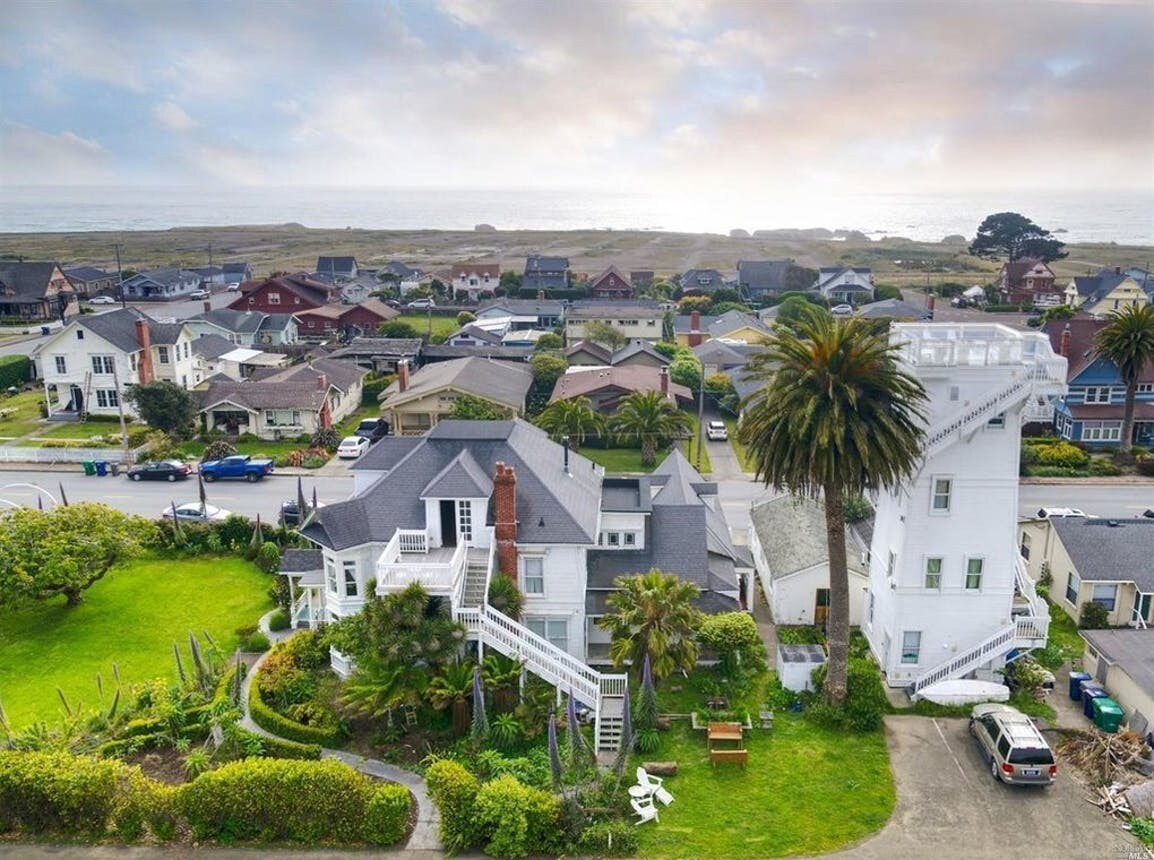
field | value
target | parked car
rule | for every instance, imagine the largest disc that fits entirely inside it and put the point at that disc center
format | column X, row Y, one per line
column 199, row 294
column 421, row 303
column 1046, row 513
column 194, row 512
column 234, row 287
column 162, row 470
column 290, row 514
column 352, row 447
column 715, row 431
column 959, row 302
column 102, row 300
column 372, row 429
column 1013, row 746
column 392, row 303
column 841, row 310
column 237, row 466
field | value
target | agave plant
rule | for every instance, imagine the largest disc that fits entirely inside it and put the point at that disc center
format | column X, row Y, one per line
column 506, row 731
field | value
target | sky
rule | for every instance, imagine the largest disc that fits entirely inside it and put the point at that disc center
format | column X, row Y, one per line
column 637, row 95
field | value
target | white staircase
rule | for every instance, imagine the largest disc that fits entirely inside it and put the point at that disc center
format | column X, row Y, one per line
column 603, row 694
column 476, row 586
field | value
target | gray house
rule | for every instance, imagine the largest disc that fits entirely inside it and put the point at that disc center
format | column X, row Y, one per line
column 545, row 273
column 162, row 284
column 701, row 281
column 763, row 279
column 337, row 268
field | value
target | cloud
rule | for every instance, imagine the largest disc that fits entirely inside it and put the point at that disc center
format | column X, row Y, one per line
column 29, row 156
column 631, row 95
column 172, row 116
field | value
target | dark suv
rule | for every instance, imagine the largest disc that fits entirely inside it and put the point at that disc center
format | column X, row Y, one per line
column 372, row 429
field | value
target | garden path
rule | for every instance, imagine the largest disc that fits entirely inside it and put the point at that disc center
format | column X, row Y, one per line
column 425, row 835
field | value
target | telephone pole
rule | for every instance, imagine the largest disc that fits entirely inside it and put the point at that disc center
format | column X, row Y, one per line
column 119, row 277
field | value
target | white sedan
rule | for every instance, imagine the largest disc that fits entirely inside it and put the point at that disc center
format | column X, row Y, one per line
column 194, row 512
column 352, row 447
column 102, row 300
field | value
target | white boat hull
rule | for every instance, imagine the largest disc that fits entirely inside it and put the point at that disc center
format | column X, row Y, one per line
column 965, row 692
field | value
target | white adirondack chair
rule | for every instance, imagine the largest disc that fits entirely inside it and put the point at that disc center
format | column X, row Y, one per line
column 654, row 786
column 645, row 809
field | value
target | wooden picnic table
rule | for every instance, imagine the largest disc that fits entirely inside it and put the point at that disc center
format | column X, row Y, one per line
column 726, row 733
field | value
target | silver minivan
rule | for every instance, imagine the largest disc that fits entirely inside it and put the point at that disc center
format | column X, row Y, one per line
column 1013, row 746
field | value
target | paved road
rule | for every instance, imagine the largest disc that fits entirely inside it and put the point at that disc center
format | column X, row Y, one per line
column 949, row 806
column 149, row 498
column 1104, row 500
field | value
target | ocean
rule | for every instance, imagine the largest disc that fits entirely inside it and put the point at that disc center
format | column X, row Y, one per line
column 1125, row 217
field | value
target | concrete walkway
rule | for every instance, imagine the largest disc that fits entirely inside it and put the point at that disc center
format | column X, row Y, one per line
column 425, row 836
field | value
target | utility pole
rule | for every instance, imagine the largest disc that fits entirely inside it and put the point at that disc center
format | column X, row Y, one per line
column 120, row 277
column 120, row 403
column 700, row 416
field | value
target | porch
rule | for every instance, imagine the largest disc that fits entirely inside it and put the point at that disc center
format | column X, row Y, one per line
column 410, row 556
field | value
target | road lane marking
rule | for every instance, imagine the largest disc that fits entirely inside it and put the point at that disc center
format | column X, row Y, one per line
column 942, row 735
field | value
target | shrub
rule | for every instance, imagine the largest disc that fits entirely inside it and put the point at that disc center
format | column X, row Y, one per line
column 217, row 451
column 279, row 620
column 269, row 799
column 734, row 636
column 646, row 740
column 254, row 643
column 517, row 820
column 373, row 387
column 60, row 793
column 268, row 558
column 15, row 370
column 454, row 790
column 856, row 508
column 505, row 596
column 609, row 839
column 1105, row 468
column 328, row 439
column 1063, row 454
column 865, row 703
column 283, row 727
column 1145, row 466
column 1094, row 616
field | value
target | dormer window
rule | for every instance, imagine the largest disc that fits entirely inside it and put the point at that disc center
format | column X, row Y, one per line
column 80, row 334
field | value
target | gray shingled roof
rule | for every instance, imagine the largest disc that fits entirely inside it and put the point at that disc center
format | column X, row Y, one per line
column 88, row 273
column 498, row 352
column 301, row 560
column 731, row 321
column 164, row 334
column 399, row 347
column 118, row 327
column 461, row 479
column 635, row 347
column 501, row 382
column 763, row 275
column 1131, row 650
column 525, row 307
column 255, row 396
column 536, row 263
column 1102, row 552
column 893, row 309
column 212, row 346
column 244, row 322
column 343, row 374
column 792, row 535
column 692, row 280
column 553, row 506
column 27, row 279
column 719, row 353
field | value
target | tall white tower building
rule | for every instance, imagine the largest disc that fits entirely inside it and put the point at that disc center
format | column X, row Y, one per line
column 948, row 592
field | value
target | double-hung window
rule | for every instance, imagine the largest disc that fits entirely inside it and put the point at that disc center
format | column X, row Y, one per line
column 61, row 364
column 1105, row 595
column 933, row 573
column 556, row 630
column 1097, row 394
column 974, row 573
column 350, row 571
column 912, row 647
column 533, row 574
column 330, row 576
column 1073, row 586
column 107, row 398
column 162, row 354
column 102, row 364
column 943, row 489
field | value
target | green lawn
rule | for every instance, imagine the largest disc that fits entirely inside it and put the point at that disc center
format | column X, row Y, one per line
column 26, row 416
column 739, row 449
column 346, row 427
column 1063, row 643
column 131, row 617
column 193, row 450
column 84, row 429
column 629, row 459
column 806, row 790
column 443, row 326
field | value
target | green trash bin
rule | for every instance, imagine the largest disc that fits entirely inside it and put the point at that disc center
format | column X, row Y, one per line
column 89, row 468
column 1108, row 714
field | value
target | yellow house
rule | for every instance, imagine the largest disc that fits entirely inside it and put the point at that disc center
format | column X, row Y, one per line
column 1094, row 560
column 1123, row 662
column 1105, row 292
column 416, row 401
column 732, row 326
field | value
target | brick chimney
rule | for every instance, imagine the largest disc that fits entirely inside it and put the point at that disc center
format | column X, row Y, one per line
column 695, row 328
column 665, row 382
column 322, row 382
column 144, row 370
column 207, row 306
column 505, row 519
column 403, row 375
column 1064, row 348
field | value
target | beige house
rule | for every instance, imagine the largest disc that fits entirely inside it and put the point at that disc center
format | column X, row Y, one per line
column 416, row 401
column 1094, row 560
column 634, row 318
column 1106, row 292
column 1123, row 662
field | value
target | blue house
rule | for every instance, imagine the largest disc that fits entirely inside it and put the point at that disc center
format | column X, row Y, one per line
column 1091, row 411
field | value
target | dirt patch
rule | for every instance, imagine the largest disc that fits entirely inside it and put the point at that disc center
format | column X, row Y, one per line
column 163, row 765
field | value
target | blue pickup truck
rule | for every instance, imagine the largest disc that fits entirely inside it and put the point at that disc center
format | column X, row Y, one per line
column 237, row 466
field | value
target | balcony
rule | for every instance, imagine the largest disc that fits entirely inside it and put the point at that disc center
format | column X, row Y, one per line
column 976, row 345
column 409, row 558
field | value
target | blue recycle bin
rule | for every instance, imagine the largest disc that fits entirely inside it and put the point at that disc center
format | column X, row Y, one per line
column 1090, row 692
column 1076, row 681
column 101, row 468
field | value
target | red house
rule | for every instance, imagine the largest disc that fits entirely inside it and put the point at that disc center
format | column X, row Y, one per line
column 334, row 320
column 285, row 294
column 611, row 284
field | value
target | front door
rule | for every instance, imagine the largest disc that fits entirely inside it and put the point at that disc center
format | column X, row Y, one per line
column 1141, row 608
column 448, row 522
column 820, row 606
column 76, row 399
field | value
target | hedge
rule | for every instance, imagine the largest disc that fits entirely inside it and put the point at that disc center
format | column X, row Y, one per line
column 272, row 799
column 454, row 790
column 15, row 370
column 609, row 839
column 256, row 799
column 281, row 726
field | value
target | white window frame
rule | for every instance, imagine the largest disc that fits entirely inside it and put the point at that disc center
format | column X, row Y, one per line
column 1096, row 394
column 528, row 576
column 331, row 576
column 162, row 354
column 273, row 297
column 936, row 495
column 1101, row 431
column 547, row 626
column 1109, row 604
column 465, row 520
column 1145, row 388
column 911, row 654
column 349, row 578
column 103, row 365
column 933, row 578
column 891, row 565
column 61, row 364
column 981, row 572
column 1024, row 546
column 1073, row 586
column 107, row 398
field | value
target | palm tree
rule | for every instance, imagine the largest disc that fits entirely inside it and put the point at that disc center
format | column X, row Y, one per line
column 573, row 418
column 834, row 415
column 1128, row 341
column 502, row 677
column 653, row 615
column 453, row 688
column 651, row 419
column 377, row 687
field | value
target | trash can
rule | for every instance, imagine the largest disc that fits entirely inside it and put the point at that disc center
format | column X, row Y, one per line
column 89, row 468
column 1076, row 679
column 114, row 468
column 1090, row 692
column 1108, row 714
column 101, row 468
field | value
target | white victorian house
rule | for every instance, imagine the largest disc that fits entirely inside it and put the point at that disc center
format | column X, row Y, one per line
column 470, row 498
column 949, row 596
column 86, row 366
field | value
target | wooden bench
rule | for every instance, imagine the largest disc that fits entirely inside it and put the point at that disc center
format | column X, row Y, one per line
column 723, row 756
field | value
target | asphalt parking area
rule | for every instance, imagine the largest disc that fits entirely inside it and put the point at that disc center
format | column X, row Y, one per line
column 949, row 806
